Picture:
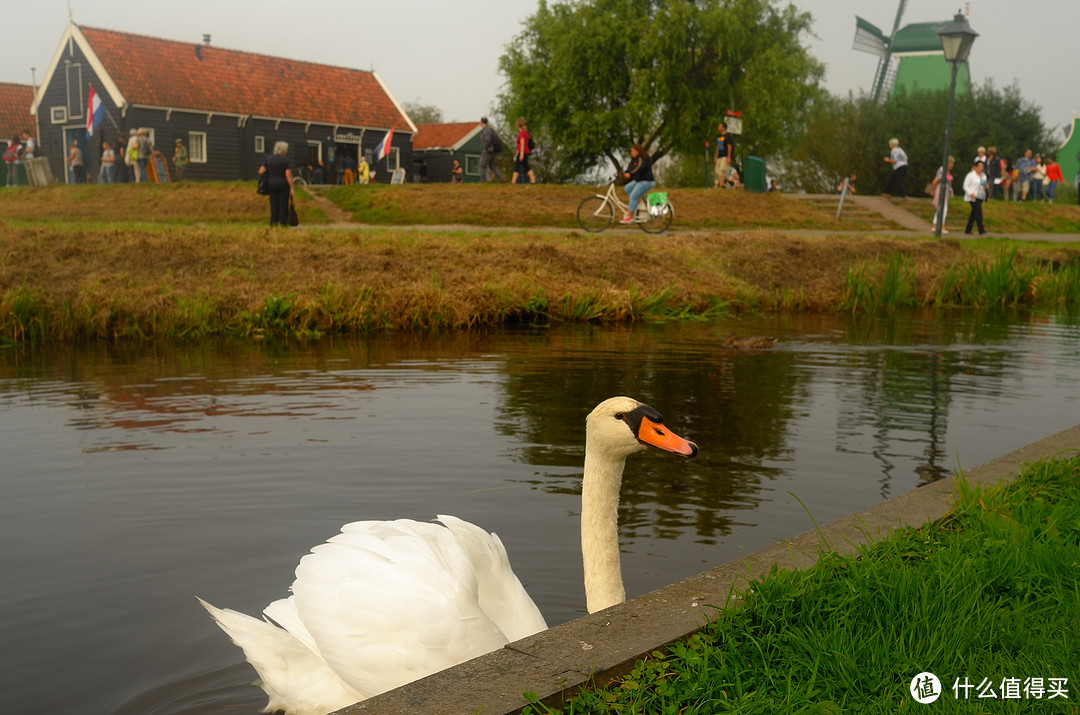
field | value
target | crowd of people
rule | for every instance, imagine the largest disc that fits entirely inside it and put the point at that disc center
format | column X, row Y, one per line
column 990, row 177
column 126, row 160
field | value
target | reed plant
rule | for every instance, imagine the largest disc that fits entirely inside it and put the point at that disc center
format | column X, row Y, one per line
column 874, row 286
column 987, row 599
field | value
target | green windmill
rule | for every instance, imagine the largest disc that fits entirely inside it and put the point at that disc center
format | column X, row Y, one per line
column 910, row 56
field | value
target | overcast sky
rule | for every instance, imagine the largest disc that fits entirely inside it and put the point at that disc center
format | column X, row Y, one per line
column 446, row 52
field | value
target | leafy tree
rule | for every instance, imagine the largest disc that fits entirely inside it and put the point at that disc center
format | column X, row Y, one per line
column 595, row 76
column 423, row 113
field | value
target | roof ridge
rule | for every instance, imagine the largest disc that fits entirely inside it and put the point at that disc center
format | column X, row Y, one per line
column 222, row 48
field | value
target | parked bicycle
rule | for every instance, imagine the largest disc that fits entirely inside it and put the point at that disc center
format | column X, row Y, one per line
column 654, row 211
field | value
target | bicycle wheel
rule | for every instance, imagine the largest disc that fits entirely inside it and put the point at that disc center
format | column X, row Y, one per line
column 299, row 181
column 657, row 224
column 594, row 214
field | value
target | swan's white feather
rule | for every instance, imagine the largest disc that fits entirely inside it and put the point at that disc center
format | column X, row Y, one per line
column 299, row 680
column 381, row 604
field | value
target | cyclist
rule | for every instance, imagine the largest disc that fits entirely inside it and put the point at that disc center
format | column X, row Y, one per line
column 640, row 175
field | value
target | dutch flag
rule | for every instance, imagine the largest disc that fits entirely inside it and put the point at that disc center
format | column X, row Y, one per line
column 384, row 146
column 95, row 110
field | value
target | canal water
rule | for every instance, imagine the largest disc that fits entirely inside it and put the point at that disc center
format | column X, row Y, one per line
column 135, row 477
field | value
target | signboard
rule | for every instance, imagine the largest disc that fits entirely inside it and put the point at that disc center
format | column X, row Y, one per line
column 349, row 138
column 733, row 121
column 158, row 169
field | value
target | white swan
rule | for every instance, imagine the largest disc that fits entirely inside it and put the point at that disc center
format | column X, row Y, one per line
column 384, row 603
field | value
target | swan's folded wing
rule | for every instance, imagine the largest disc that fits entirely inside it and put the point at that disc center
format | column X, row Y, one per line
column 501, row 595
column 390, row 602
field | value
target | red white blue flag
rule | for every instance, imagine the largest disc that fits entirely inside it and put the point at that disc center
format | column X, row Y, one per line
column 95, row 110
column 384, row 146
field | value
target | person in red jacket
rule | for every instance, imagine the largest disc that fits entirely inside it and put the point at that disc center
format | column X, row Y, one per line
column 1053, row 173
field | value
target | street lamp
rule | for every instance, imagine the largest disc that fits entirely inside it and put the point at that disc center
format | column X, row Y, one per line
column 956, row 40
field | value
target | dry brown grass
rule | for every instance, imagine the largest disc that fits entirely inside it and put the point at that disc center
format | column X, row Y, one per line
column 195, row 259
column 192, row 280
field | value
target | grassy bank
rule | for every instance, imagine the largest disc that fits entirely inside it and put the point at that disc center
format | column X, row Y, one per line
column 195, row 259
column 988, row 597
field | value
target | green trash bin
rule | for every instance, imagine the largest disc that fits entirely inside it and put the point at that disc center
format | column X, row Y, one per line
column 754, row 175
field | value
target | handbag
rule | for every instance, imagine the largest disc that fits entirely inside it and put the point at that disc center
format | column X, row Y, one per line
column 294, row 220
column 263, row 187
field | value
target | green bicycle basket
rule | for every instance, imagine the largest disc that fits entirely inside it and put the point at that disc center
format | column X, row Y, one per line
column 657, row 202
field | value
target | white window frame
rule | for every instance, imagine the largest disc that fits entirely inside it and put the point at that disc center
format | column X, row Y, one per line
column 74, row 111
column 318, row 144
column 260, row 144
column 197, row 147
column 472, row 164
column 393, row 159
column 58, row 115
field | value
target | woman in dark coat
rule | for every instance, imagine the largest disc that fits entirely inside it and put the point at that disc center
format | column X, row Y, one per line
column 279, row 175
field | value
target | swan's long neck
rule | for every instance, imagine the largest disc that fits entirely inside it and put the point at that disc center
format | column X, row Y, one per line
column 600, row 530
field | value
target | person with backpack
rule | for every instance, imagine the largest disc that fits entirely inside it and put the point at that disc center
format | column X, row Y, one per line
column 492, row 145
column 523, row 147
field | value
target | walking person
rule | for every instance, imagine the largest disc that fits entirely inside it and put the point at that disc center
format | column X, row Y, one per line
column 936, row 191
column 722, row 156
column 492, row 145
column 11, row 161
column 142, row 140
column 131, row 157
column 897, row 185
column 975, row 194
column 280, row 180
column 180, row 159
column 522, row 149
column 1053, row 173
column 994, row 171
column 1025, row 167
column 1038, row 179
column 108, row 163
column 75, row 163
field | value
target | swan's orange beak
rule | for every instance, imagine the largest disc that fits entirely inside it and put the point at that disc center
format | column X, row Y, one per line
column 657, row 435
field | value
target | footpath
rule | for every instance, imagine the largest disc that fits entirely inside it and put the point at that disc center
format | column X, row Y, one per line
column 595, row 649
column 861, row 211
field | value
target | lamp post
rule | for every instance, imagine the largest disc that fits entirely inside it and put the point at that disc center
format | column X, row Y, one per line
column 956, row 40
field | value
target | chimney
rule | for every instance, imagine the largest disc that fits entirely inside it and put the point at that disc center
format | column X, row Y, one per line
column 206, row 39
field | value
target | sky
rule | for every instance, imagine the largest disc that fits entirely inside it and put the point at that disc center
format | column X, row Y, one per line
column 446, row 52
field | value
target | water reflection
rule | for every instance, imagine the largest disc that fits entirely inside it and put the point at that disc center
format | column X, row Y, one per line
column 138, row 475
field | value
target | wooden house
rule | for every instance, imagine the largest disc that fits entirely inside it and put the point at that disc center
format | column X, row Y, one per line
column 228, row 107
column 440, row 144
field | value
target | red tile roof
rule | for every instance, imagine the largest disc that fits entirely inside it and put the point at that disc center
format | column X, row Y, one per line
column 441, row 136
column 187, row 75
column 15, row 101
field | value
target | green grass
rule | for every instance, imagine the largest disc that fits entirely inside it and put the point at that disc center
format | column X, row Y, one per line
column 990, row 592
column 1003, row 281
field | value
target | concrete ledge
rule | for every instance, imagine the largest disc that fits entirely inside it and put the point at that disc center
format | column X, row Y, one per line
column 597, row 648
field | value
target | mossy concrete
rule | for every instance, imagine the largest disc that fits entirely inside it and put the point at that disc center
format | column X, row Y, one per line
column 594, row 649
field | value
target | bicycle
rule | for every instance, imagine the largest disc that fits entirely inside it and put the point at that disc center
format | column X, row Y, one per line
column 654, row 211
